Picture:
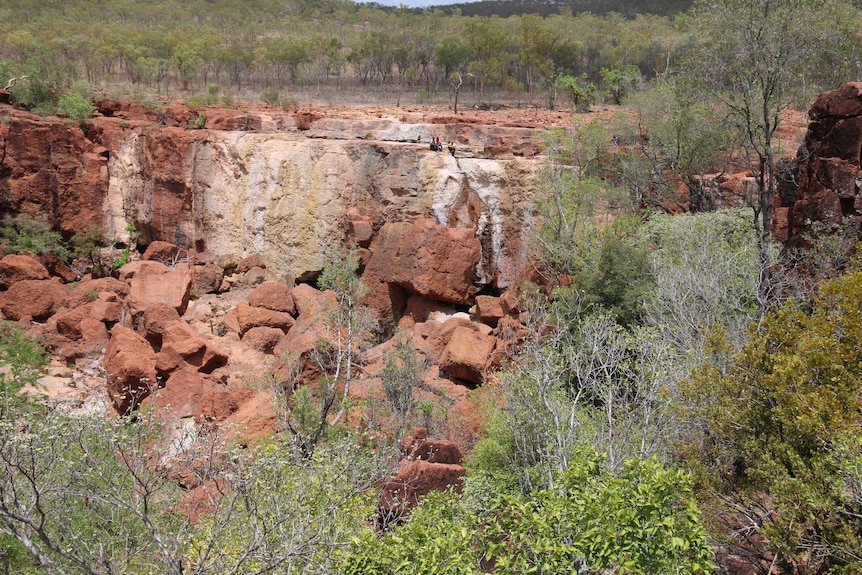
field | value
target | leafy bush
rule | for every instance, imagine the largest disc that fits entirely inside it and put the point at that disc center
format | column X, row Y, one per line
column 640, row 521
column 24, row 233
column 775, row 433
column 76, row 107
column 580, row 91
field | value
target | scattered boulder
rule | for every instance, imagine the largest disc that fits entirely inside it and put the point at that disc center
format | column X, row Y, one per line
column 36, row 299
column 151, row 323
column 156, row 283
column 182, row 393
column 130, row 367
column 263, row 338
column 489, row 310
column 360, row 228
column 249, row 316
column 419, row 446
column 206, row 278
column 467, row 354
column 413, row 480
column 165, row 252
column 249, row 262
column 107, row 308
column 58, row 268
column 181, row 346
column 16, row 267
column 275, row 296
column 68, row 321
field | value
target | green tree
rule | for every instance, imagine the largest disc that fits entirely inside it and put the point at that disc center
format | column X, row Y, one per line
column 620, row 82
column 488, row 40
column 580, row 91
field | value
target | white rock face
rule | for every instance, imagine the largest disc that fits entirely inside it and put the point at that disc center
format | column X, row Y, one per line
column 285, row 195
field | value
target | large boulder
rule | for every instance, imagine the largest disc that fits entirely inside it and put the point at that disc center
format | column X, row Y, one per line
column 17, row 267
column 427, row 259
column 130, row 369
column 154, row 283
column 182, row 346
column 36, row 299
column 468, row 354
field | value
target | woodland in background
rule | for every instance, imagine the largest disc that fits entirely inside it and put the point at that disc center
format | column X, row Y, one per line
column 284, row 51
column 690, row 396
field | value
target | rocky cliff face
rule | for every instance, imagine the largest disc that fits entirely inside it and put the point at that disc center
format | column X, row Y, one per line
column 286, row 196
column 830, row 166
column 279, row 185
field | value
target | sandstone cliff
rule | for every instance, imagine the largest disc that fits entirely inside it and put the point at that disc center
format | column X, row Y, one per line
column 279, row 185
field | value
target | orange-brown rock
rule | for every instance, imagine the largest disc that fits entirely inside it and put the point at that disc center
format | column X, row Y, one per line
column 310, row 328
column 467, row 355
column 58, row 268
column 489, row 310
column 182, row 394
column 206, row 278
column 106, row 308
column 130, row 368
column 426, row 259
column 182, row 346
column 16, row 267
column 68, row 321
column 360, row 228
column 155, row 283
column 830, row 168
column 432, row 450
column 152, row 322
column 51, row 170
column 413, row 480
column 88, row 289
column 37, row 299
column 263, row 338
column 418, row 308
column 160, row 251
column 275, row 296
column 249, row 262
column 249, row 316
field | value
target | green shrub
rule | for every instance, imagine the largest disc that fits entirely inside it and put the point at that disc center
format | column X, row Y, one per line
column 24, row 233
column 580, row 91
column 76, row 107
column 270, row 97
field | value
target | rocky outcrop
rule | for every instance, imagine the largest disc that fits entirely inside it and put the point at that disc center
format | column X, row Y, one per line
column 52, row 170
column 830, row 166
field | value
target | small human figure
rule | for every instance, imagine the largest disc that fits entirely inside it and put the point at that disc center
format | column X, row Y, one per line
column 439, row 144
column 452, row 148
